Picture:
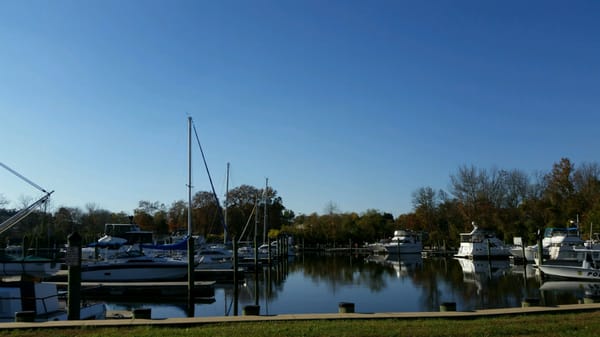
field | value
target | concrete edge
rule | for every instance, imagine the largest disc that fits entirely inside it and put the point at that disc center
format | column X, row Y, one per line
column 570, row 308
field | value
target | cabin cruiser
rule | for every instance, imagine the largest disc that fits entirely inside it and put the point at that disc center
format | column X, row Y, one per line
column 132, row 266
column 557, row 244
column 479, row 244
column 121, row 257
column 404, row 242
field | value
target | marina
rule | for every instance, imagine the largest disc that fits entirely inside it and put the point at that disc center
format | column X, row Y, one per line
column 318, row 283
column 128, row 270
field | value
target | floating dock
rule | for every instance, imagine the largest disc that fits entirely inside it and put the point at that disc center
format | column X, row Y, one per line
column 202, row 291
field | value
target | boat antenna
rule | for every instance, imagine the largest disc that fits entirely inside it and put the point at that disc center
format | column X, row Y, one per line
column 219, row 209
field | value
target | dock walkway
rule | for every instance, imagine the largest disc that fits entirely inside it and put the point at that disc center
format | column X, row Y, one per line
column 182, row 322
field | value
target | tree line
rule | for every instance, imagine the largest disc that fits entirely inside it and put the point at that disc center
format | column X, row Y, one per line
column 510, row 202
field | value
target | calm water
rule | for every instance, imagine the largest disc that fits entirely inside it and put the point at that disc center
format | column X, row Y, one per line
column 317, row 283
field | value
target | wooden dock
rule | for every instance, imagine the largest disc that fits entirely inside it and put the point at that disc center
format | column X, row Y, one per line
column 169, row 291
column 217, row 275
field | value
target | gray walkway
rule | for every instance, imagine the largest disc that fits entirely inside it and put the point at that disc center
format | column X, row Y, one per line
column 334, row 316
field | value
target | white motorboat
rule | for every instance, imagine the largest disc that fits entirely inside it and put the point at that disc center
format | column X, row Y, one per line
column 557, row 244
column 587, row 269
column 214, row 257
column 41, row 299
column 404, row 242
column 133, row 266
column 479, row 244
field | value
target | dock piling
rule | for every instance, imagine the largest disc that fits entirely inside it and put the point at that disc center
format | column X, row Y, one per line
column 345, row 308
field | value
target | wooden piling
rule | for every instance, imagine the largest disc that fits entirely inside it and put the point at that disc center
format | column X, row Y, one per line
column 25, row 316
column 142, row 313
column 251, row 310
column 345, row 308
column 530, row 302
column 448, row 306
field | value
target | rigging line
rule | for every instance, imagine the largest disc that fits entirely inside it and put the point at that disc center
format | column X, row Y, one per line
column 247, row 223
column 22, row 177
column 220, row 210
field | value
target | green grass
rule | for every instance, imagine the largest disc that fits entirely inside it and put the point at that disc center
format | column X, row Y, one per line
column 575, row 324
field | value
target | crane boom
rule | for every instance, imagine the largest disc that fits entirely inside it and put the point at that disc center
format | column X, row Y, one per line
column 20, row 215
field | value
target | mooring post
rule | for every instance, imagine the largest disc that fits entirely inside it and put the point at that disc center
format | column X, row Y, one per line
column 235, row 276
column 73, row 260
column 540, row 250
column 345, row 307
column 190, row 275
column 447, row 306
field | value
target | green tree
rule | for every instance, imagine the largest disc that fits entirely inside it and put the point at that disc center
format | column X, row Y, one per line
column 559, row 195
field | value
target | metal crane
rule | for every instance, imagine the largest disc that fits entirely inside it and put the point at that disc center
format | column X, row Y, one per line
column 20, row 215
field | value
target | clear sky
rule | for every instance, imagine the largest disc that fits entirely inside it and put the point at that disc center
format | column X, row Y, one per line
column 355, row 103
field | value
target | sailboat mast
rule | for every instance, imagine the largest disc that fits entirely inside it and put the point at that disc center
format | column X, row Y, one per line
column 189, row 217
column 226, row 200
column 266, row 200
column 190, row 243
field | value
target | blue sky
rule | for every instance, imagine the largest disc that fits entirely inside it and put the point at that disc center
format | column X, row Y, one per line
column 355, row 103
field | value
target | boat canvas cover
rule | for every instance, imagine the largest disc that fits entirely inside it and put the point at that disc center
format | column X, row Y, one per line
column 180, row 245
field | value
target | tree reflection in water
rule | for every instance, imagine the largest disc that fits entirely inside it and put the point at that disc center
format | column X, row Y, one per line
column 316, row 283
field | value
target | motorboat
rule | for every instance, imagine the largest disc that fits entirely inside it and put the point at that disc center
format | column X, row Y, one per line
column 557, row 244
column 214, row 257
column 588, row 269
column 479, row 244
column 42, row 300
column 404, row 242
column 133, row 266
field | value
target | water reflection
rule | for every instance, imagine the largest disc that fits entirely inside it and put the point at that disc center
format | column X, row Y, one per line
column 403, row 265
column 316, row 283
column 571, row 292
column 481, row 272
